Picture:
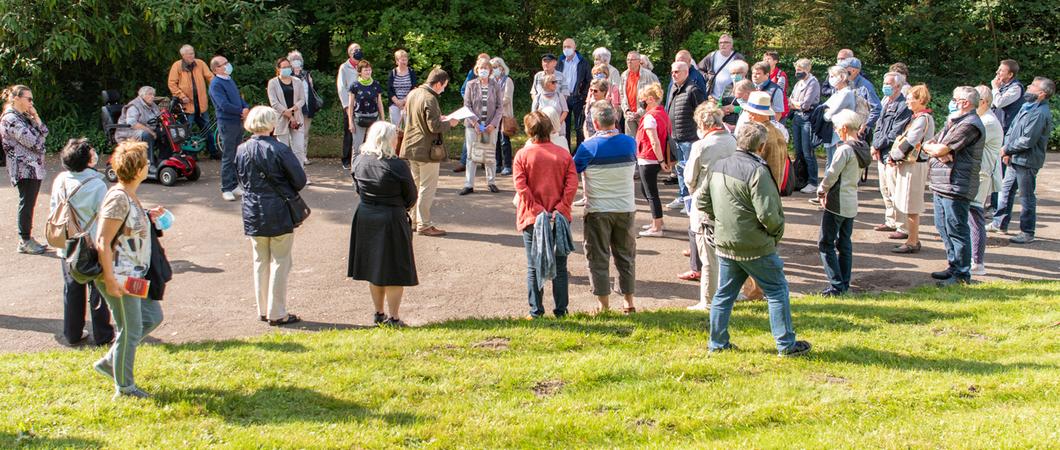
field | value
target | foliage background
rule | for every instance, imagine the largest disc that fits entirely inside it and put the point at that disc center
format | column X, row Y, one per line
column 68, row 51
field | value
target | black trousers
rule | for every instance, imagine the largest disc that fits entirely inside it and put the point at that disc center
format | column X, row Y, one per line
column 27, row 200
column 74, row 300
column 347, row 137
column 649, row 184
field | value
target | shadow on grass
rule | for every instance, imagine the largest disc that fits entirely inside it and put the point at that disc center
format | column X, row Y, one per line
column 278, row 404
column 286, row 347
column 14, row 440
column 892, row 360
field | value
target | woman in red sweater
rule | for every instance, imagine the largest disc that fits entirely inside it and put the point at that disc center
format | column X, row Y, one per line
column 545, row 181
column 652, row 158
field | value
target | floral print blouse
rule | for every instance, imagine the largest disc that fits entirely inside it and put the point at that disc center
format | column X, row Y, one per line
column 23, row 146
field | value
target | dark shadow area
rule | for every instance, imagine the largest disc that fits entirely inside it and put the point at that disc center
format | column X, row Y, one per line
column 184, row 266
column 218, row 346
column 892, row 360
column 30, row 440
column 506, row 239
column 50, row 326
column 280, row 404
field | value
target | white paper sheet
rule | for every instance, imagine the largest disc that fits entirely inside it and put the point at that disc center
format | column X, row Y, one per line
column 461, row 114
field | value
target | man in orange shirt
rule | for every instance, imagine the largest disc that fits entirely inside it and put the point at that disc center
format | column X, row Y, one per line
column 634, row 78
column 188, row 79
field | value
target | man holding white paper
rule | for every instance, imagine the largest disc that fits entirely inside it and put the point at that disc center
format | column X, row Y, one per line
column 424, row 147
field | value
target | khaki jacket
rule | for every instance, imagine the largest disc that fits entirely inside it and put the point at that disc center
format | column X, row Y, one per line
column 180, row 84
column 423, row 124
column 279, row 103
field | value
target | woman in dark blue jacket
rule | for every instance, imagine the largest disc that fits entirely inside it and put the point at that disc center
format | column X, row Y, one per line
column 266, row 168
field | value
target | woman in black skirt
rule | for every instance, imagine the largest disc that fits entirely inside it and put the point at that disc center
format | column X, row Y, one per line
column 381, row 236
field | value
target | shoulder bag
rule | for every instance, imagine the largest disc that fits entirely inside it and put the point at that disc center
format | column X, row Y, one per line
column 296, row 207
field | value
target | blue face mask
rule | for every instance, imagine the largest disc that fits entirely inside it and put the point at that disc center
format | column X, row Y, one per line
column 599, row 76
column 228, row 69
column 953, row 106
column 737, row 78
column 887, row 90
column 165, row 221
column 285, row 72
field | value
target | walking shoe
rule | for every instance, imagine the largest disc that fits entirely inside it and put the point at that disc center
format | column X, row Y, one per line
column 676, row 204
column 394, row 322
column 800, row 348
column 493, row 188
column 651, row 233
column 884, row 227
column 459, row 169
column 506, row 171
column 132, row 392
column 701, row 306
column 831, row 292
column 228, row 196
column 102, row 367
column 670, row 180
column 979, row 269
column 466, row 191
column 579, row 202
column 943, row 275
column 31, row 247
column 432, row 232
column 809, row 189
column 308, row 162
column 906, row 248
column 1022, row 238
column 238, row 191
column 989, row 213
column 815, row 200
column 686, row 253
column 726, row 348
column 994, row 228
column 691, row 275
column 379, row 318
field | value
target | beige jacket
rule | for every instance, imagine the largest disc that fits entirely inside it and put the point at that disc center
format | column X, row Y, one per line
column 279, row 103
column 180, row 83
column 423, row 124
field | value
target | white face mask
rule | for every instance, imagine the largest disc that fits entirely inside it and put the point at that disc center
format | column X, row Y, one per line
column 833, row 81
column 497, row 73
column 297, row 64
column 568, row 52
column 483, row 73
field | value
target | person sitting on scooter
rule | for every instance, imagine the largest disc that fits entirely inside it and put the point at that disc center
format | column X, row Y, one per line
column 137, row 114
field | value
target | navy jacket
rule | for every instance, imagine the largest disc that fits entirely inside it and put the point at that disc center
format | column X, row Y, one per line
column 265, row 213
column 226, row 100
column 1028, row 136
column 580, row 90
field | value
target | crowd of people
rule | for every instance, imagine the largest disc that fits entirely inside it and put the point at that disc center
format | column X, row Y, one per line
column 722, row 128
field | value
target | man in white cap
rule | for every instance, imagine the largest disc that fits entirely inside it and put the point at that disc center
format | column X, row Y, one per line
column 759, row 108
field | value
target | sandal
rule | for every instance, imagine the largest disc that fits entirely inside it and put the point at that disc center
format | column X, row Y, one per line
column 291, row 318
column 907, row 249
column 629, row 310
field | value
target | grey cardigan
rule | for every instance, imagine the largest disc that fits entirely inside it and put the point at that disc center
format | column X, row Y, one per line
column 279, row 103
column 494, row 102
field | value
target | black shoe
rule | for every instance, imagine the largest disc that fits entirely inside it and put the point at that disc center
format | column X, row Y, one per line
column 459, row 169
column 466, row 191
column 831, row 292
column 953, row 281
column 392, row 322
column 263, row 318
column 670, row 181
column 800, row 348
column 379, row 318
column 494, row 189
column 943, row 275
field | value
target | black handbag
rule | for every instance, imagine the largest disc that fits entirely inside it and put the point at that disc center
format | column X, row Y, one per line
column 297, row 207
column 365, row 120
column 82, row 258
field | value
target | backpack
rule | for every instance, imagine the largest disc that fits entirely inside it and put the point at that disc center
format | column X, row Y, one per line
column 787, row 182
column 62, row 224
column 861, row 107
column 800, row 172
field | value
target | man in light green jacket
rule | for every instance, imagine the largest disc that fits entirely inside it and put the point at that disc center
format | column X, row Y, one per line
column 742, row 201
column 424, row 128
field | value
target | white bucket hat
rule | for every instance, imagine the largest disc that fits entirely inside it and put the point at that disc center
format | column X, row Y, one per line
column 760, row 103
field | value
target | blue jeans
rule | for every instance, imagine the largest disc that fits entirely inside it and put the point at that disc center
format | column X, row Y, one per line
column 683, row 150
column 504, row 152
column 231, row 137
column 463, row 155
column 559, row 284
column 1021, row 179
column 202, row 120
column 835, row 235
column 951, row 220
column 575, row 121
column 768, row 271
column 802, row 136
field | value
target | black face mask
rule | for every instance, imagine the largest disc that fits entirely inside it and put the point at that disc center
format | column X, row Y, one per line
column 358, row 55
column 800, row 75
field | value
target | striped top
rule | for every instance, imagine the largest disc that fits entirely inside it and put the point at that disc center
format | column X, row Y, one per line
column 402, row 84
column 607, row 161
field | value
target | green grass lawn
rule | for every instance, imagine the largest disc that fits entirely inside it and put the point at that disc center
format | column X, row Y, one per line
column 974, row 367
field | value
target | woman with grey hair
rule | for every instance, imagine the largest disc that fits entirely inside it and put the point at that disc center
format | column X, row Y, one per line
column 717, row 143
column 269, row 173
column 842, row 99
column 137, row 115
column 381, row 234
column 804, row 98
column 312, row 105
column 603, row 56
column 499, row 74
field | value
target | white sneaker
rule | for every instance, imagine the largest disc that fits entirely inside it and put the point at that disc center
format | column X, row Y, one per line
column 238, row 191
column 228, row 196
column 678, row 203
column 646, row 227
column 979, row 269
column 308, row 182
column 990, row 227
column 809, row 189
column 701, row 306
column 650, row 233
column 580, row 202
